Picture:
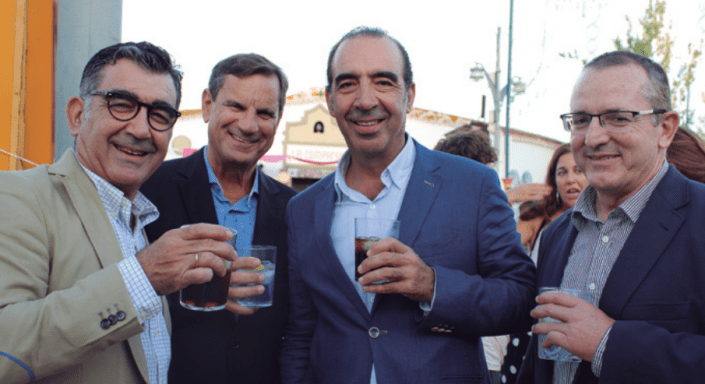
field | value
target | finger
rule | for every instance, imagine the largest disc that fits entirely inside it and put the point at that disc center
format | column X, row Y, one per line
column 210, row 260
column 559, row 298
column 241, row 278
column 388, row 245
column 205, row 231
column 246, row 263
column 242, row 292
column 384, row 274
column 236, row 308
column 197, row 276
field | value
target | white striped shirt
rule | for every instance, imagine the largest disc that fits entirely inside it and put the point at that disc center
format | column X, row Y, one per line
column 595, row 251
column 155, row 339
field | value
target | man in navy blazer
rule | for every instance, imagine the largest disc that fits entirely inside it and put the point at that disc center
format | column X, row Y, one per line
column 634, row 240
column 242, row 106
column 456, row 273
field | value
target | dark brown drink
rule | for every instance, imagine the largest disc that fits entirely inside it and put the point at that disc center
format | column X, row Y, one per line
column 212, row 295
column 362, row 245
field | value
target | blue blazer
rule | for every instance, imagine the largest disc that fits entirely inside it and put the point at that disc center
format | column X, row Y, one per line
column 456, row 218
column 218, row 347
column 655, row 291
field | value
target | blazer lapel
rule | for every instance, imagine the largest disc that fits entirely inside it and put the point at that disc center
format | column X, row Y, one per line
column 270, row 211
column 96, row 223
column 421, row 193
column 658, row 223
column 323, row 219
column 195, row 190
column 89, row 208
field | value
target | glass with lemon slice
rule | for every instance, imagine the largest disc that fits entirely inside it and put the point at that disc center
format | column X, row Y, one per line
column 268, row 256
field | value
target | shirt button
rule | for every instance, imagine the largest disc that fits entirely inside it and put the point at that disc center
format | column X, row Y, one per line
column 592, row 286
column 372, row 299
column 143, row 314
column 156, row 333
column 372, row 206
column 605, row 239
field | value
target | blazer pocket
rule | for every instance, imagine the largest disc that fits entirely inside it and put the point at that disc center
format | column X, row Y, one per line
column 657, row 311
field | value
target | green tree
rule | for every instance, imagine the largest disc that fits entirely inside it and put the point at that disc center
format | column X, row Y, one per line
column 656, row 42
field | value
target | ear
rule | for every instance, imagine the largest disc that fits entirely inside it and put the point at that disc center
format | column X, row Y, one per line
column 74, row 114
column 410, row 96
column 206, row 103
column 669, row 126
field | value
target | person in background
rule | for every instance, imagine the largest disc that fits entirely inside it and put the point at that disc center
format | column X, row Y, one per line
column 476, row 147
column 687, row 154
column 568, row 181
column 222, row 184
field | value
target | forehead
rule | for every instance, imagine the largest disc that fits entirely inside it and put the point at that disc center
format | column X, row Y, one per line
column 566, row 161
column 367, row 55
column 257, row 88
column 613, row 88
column 126, row 75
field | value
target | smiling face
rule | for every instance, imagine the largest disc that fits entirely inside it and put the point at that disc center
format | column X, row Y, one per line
column 570, row 180
column 368, row 97
column 242, row 121
column 124, row 153
column 620, row 162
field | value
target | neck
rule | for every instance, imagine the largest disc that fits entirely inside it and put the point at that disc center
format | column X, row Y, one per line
column 235, row 180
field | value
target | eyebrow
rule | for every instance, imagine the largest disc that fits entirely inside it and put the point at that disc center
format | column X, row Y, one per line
column 384, row 74
column 345, row 76
column 155, row 103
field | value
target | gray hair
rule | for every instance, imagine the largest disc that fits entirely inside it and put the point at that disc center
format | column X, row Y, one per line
column 244, row 65
column 657, row 91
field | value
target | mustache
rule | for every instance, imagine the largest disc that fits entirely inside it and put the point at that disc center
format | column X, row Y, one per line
column 375, row 113
column 129, row 141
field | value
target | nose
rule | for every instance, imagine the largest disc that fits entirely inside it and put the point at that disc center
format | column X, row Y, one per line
column 596, row 134
column 366, row 98
column 138, row 126
column 248, row 121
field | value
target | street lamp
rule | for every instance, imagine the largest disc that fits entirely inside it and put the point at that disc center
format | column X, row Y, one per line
column 498, row 94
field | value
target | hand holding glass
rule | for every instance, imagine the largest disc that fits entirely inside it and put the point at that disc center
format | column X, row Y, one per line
column 267, row 254
column 555, row 352
column 213, row 295
column 367, row 232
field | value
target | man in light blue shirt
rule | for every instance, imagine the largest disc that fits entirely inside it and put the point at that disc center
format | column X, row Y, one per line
column 221, row 184
column 457, row 271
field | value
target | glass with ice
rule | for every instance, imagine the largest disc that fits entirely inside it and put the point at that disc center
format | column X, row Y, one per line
column 268, row 256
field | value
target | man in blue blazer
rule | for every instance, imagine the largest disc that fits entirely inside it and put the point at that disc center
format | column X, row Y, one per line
column 634, row 240
column 242, row 107
column 456, row 273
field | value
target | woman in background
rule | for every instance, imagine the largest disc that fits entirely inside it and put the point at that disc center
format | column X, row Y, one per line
column 567, row 181
column 687, row 154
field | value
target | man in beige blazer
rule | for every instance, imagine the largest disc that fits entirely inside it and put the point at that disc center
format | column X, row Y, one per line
column 80, row 290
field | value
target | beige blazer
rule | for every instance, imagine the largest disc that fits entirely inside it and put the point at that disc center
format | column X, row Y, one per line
column 58, row 255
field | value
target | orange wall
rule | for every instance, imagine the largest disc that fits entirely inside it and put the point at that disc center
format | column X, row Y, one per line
column 39, row 80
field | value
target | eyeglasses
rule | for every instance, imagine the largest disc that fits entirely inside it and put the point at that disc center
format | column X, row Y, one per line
column 125, row 107
column 612, row 121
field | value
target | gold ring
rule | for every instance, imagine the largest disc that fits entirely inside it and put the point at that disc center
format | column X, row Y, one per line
column 196, row 259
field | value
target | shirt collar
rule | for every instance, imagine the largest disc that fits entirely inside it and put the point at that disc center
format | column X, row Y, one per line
column 398, row 171
column 632, row 207
column 215, row 184
column 114, row 200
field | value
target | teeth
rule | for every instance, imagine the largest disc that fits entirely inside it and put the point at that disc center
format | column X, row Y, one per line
column 366, row 123
column 129, row 152
column 239, row 139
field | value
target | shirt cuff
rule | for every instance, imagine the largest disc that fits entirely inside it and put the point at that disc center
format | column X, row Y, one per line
column 425, row 305
column 145, row 299
column 597, row 359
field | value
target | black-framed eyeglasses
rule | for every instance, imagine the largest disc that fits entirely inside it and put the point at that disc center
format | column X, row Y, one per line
column 612, row 121
column 124, row 107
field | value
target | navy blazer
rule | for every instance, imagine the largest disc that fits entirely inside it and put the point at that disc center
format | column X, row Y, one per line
column 456, row 218
column 217, row 347
column 655, row 292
